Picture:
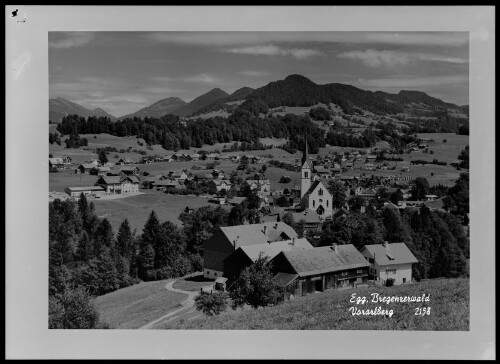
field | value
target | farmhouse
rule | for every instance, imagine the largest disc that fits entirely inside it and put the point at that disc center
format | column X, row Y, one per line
column 246, row 255
column 100, row 171
column 129, row 170
column 178, row 175
column 118, row 185
column 59, row 163
column 85, row 167
column 221, row 184
column 261, row 185
column 124, row 161
column 227, row 239
column 302, row 272
column 167, row 184
column 236, row 200
column 390, row 261
column 90, row 191
column 369, row 166
column 370, row 158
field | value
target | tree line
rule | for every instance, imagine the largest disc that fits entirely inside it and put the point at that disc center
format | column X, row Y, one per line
column 172, row 134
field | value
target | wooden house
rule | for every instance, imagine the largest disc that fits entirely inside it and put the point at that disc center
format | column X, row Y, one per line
column 246, row 255
column 302, row 272
column 227, row 239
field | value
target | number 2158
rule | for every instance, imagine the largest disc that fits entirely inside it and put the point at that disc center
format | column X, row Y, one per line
column 422, row 311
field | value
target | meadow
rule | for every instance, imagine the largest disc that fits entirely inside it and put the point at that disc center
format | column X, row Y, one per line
column 137, row 305
column 448, row 303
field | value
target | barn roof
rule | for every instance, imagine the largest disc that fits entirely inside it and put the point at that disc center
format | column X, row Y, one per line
column 325, row 259
column 273, row 249
column 396, row 253
column 254, row 234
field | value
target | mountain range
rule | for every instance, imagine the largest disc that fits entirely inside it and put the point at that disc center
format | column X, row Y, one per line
column 60, row 107
column 294, row 90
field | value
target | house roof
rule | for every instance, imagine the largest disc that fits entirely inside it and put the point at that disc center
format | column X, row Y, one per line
column 87, row 165
column 400, row 253
column 128, row 168
column 325, row 259
column 237, row 200
column 167, row 182
column 109, row 180
column 89, row 188
column 309, row 216
column 253, row 234
column 315, row 184
column 273, row 249
column 284, row 279
column 133, row 179
column 56, row 161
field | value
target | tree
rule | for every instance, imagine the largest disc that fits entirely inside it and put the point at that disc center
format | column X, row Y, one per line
column 236, row 216
column 124, row 240
column 211, row 303
column 73, row 310
column 264, row 168
column 283, row 201
column 396, row 196
column 255, row 286
column 464, row 158
column 253, row 200
column 337, row 191
column 103, row 158
column 420, row 189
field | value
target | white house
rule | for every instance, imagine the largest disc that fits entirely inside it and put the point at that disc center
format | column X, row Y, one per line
column 390, row 261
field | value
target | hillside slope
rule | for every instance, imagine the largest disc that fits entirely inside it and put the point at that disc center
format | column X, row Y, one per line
column 222, row 104
column 297, row 90
column 201, row 102
column 449, row 303
column 158, row 109
column 60, row 107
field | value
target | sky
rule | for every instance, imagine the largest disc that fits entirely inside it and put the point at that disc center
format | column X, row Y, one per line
column 122, row 72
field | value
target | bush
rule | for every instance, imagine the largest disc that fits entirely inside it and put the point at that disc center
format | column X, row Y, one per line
column 389, row 282
column 211, row 303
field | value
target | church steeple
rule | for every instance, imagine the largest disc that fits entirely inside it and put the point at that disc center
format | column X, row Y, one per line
column 305, row 172
column 305, row 155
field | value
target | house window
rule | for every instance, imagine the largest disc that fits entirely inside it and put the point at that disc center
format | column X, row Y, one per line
column 208, row 272
column 215, row 273
column 359, row 271
column 320, row 192
column 390, row 271
column 326, row 203
column 371, row 260
column 345, row 273
column 306, row 175
column 314, row 203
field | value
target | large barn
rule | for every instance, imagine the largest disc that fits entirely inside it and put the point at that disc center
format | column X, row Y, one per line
column 227, row 239
column 246, row 255
column 302, row 272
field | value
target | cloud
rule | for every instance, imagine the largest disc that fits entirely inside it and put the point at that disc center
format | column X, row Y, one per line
column 272, row 50
column 201, row 78
column 252, row 73
column 373, row 58
column 413, row 82
column 238, row 38
column 390, row 59
column 69, row 39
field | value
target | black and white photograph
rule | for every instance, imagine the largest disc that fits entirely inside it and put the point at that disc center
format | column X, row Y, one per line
column 244, row 182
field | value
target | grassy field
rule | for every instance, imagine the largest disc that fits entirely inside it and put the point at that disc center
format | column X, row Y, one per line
column 137, row 208
column 449, row 303
column 137, row 305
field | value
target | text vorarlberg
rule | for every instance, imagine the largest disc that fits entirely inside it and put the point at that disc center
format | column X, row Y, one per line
column 377, row 298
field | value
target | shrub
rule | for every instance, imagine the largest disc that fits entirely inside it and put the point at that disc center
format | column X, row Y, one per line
column 389, row 282
column 211, row 303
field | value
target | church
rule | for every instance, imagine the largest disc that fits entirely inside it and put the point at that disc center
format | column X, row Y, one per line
column 313, row 193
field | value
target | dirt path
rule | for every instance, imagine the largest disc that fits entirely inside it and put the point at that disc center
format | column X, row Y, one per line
column 187, row 306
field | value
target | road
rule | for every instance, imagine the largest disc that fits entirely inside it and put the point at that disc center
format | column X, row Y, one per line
column 186, row 310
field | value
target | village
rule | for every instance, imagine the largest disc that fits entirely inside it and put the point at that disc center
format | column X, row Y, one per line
column 299, row 267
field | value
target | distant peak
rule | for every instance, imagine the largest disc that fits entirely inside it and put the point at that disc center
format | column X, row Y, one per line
column 297, row 77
